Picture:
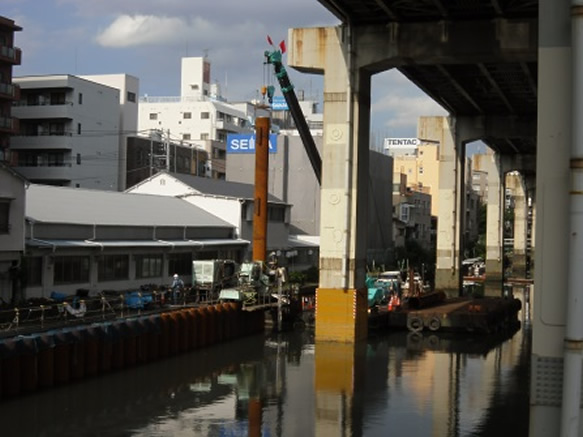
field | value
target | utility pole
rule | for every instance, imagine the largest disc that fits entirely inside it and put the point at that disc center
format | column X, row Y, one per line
column 167, row 142
column 151, row 154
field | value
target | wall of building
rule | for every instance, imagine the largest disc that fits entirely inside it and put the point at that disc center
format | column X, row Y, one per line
column 129, row 90
column 380, row 231
column 12, row 207
column 291, row 178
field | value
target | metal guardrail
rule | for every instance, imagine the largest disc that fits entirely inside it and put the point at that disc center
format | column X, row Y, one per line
column 108, row 305
column 111, row 305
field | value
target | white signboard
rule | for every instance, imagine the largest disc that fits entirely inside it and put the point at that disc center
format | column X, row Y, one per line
column 390, row 143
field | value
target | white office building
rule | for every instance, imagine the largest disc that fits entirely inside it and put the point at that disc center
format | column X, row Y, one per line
column 199, row 114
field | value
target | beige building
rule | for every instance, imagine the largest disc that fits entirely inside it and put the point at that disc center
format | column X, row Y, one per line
column 421, row 166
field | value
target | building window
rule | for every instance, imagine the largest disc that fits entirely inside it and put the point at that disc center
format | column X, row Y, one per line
column 131, row 97
column 71, row 269
column 78, row 128
column 276, row 214
column 420, row 170
column 80, row 98
column 204, row 136
column 113, row 267
column 186, row 136
column 148, row 266
column 33, row 267
column 204, row 115
column 4, row 216
column 180, row 263
column 187, row 115
column 153, row 116
column 78, row 159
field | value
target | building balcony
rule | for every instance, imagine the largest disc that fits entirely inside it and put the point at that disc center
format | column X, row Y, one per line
column 9, row 91
column 9, row 125
column 12, row 55
column 63, row 141
column 44, row 111
column 228, row 126
column 61, row 172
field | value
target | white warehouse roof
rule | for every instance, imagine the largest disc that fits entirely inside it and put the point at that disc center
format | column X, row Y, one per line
column 52, row 204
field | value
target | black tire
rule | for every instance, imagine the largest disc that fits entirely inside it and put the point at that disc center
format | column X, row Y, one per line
column 434, row 324
column 414, row 324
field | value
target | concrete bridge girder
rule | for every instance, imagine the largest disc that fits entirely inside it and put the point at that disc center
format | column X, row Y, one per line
column 397, row 44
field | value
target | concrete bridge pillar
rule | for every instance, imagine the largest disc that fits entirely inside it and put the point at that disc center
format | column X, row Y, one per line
column 341, row 299
column 494, row 228
column 552, row 217
column 442, row 131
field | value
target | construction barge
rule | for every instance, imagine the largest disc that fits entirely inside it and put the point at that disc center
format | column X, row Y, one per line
column 483, row 315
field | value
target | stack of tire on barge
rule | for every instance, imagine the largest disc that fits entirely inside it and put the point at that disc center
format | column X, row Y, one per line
column 47, row 359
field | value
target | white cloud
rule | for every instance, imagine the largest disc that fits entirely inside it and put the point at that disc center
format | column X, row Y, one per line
column 127, row 31
column 405, row 110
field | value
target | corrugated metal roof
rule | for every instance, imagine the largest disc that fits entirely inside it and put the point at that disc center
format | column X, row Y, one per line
column 218, row 187
column 198, row 244
column 50, row 204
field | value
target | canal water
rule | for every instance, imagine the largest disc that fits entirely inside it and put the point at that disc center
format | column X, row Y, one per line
column 394, row 384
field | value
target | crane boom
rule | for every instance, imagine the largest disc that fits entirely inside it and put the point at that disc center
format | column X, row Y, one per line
column 287, row 89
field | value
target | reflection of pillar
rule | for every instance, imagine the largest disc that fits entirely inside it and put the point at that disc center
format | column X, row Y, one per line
column 339, row 369
column 531, row 241
column 447, row 275
column 520, row 217
column 341, row 300
column 255, row 417
column 494, row 228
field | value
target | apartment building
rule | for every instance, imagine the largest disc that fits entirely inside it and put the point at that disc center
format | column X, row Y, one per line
column 69, row 132
column 9, row 57
column 199, row 114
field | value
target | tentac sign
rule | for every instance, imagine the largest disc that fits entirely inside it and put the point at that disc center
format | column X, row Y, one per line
column 401, row 142
column 245, row 143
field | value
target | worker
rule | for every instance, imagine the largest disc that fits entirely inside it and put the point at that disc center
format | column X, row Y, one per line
column 177, row 286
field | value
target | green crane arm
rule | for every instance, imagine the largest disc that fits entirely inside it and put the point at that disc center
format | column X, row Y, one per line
column 287, row 89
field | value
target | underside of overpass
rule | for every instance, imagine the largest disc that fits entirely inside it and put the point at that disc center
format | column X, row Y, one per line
column 477, row 60
column 508, row 73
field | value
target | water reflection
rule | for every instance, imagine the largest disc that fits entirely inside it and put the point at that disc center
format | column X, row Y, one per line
column 398, row 384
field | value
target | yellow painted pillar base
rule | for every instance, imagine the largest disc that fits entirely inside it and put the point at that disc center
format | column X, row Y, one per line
column 341, row 314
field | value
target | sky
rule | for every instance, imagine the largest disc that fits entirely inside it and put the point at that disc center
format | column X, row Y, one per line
column 148, row 38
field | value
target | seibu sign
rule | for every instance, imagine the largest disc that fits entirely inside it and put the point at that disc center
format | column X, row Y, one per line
column 245, row 143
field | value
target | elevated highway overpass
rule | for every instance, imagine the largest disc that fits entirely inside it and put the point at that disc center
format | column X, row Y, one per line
column 509, row 74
